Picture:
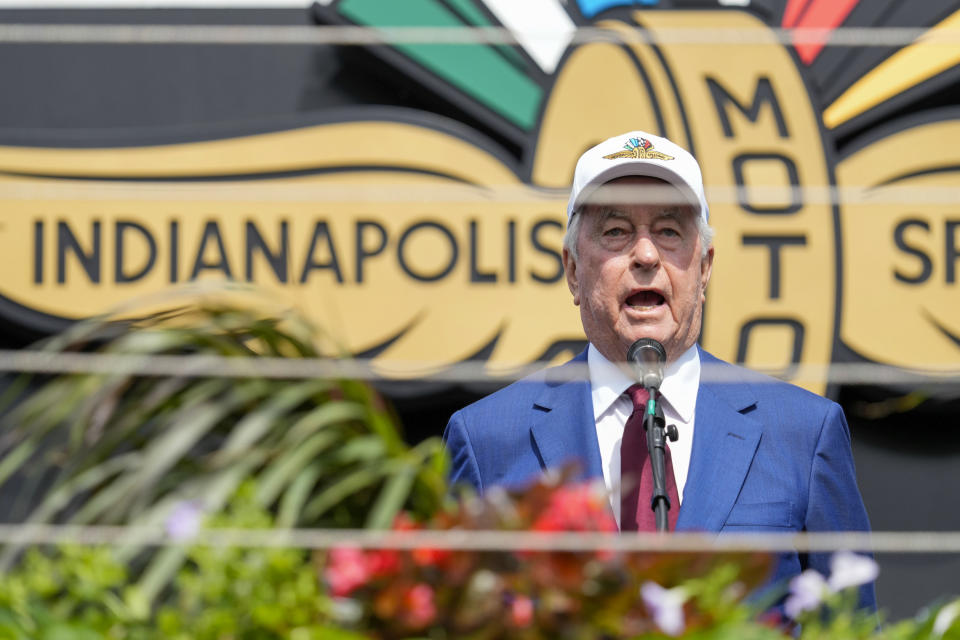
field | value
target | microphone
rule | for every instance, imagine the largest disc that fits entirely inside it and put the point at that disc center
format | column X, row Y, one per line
column 647, row 356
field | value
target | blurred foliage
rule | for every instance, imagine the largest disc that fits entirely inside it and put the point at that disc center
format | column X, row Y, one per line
column 180, row 452
column 126, row 448
column 75, row 593
column 232, row 593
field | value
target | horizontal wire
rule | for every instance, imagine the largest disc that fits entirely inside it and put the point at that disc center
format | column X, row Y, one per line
column 157, row 4
column 348, row 35
column 200, row 366
column 378, row 191
column 880, row 542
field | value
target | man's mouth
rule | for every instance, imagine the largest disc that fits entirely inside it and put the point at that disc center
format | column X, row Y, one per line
column 645, row 300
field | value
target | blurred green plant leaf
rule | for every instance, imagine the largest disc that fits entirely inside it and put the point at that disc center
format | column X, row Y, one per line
column 126, row 447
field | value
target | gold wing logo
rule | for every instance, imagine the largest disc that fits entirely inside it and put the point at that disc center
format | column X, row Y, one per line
column 400, row 273
column 638, row 149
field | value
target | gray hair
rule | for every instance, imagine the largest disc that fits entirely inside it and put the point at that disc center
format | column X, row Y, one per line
column 573, row 231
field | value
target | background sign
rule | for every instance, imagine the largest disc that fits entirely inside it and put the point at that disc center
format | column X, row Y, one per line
column 424, row 241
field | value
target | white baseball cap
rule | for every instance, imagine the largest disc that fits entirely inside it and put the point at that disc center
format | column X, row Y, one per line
column 638, row 153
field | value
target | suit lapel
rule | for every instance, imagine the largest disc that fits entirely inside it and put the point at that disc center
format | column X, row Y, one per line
column 724, row 443
column 563, row 428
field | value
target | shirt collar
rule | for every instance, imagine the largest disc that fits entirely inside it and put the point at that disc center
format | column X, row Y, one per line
column 681, row 380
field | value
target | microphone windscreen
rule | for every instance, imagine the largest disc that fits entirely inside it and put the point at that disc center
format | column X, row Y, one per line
column 647, row 357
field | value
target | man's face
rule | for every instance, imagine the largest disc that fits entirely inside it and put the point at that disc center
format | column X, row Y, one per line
column 640, row 272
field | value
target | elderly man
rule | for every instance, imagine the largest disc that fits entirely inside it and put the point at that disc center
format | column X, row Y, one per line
column 753, row 454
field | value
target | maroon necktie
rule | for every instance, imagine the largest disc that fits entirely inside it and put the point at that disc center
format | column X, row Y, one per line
column 636, row 479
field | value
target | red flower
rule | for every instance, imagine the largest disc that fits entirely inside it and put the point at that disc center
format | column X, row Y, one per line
column 403, row 522
column 582, row 507
column 382, row 562
column 420, row 607
column 431, row 557
column 422, row 556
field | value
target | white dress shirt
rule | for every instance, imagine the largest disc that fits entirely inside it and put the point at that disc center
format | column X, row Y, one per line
column 611, row 408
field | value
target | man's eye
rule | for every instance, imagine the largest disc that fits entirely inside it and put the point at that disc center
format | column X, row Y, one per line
column 670, row 232
column 615, row 231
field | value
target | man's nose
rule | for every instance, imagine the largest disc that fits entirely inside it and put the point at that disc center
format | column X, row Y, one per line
column 646, row 255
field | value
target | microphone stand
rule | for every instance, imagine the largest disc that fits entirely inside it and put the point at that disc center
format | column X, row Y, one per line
column 647, row 356
column 654, row 424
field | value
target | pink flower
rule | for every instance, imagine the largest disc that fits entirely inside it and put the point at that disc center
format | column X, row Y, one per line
column 346, row 570
column 521, row 611
column 420, row 606
column 665, row 605
column 349, row 567
column 849, row 569
column 806, row 593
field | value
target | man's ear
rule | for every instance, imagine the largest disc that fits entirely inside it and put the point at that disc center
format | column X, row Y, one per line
column 570, row 270
column 706, row 269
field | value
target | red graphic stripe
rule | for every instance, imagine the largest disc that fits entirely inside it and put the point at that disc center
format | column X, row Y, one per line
column 793, row 12
column 815, row 14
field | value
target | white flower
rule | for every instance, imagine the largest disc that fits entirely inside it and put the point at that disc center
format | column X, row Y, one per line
column 665, row 605
column 346, row 610
column 806, row 593
column 484, row 582
column 945, row 619
column 184, row 520
column 808, row 589
column 849, row 569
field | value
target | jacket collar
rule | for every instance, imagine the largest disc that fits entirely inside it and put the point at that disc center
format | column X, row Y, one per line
column 725, row 440
column 563, row 424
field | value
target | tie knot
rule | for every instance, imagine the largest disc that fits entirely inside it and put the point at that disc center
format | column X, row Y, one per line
column 639, row 396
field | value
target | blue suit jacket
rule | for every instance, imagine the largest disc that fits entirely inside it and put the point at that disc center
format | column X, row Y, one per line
column 767, row 456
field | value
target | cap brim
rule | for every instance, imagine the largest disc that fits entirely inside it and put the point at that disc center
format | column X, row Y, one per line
column 640, row 169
